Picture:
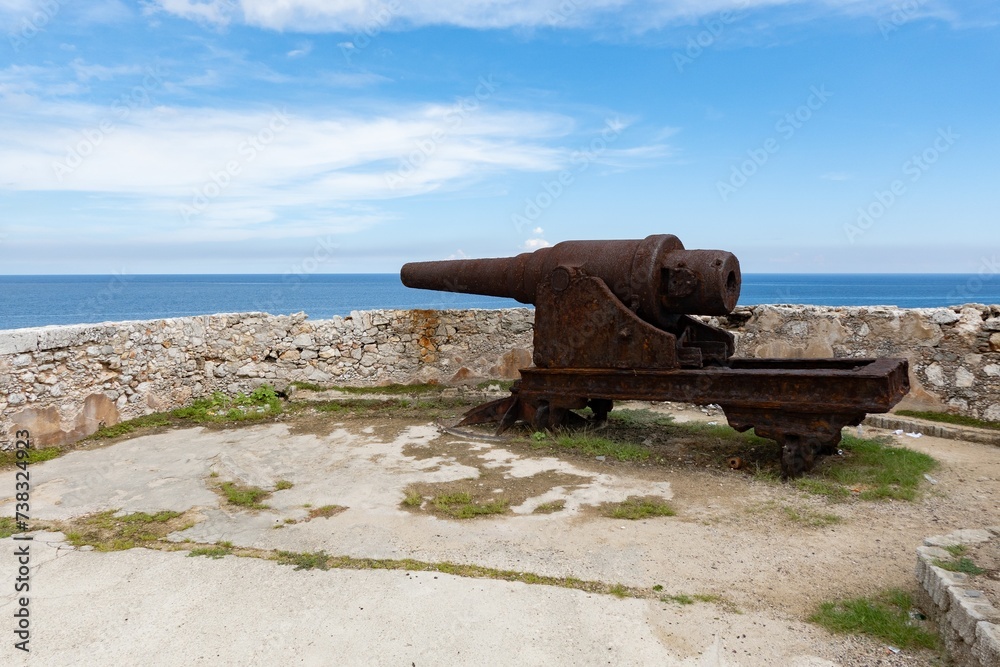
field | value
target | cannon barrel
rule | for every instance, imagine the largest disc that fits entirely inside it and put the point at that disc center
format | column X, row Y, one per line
column 655, row 277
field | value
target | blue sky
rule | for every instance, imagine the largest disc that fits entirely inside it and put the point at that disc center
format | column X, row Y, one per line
column 176, row 136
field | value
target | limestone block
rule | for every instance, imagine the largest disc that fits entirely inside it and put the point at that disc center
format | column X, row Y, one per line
column 935, row 375
column 987, row 648
column 18, row 341
column 964, row 377
column 969, row 607
column 944, row 316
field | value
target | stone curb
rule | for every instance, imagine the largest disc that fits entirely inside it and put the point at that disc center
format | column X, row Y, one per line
column 892, row 423
column 968, row 623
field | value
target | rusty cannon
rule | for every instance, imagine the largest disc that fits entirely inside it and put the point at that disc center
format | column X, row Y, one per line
column 614, row 321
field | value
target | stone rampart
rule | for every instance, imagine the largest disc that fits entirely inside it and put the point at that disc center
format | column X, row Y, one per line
column 62, row 382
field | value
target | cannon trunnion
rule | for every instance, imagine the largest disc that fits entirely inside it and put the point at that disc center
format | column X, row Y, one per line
column 613, row 322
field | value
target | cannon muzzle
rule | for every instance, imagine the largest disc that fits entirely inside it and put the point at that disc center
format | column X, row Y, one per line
column 655, row 277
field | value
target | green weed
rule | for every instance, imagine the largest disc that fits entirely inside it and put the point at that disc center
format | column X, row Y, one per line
column 634, row 508
column 244, row 496
column 885, row 617
column 948, row 418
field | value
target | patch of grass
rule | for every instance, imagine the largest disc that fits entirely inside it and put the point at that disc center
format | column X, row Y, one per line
column 619, row 590
column 106, row 532
column 963, row 564
column 811, row 518
column 462, row 506
column 124, row 428
column 594, row 446
column 306, row 386
column 871, row 471
column 635, row 507
column 8, row 527
column 215, row 552
column 550, row 507
column 283, row 484
column 261, row 403
column 885, row 617
column 244, row 496
column 9, row 458
column 392, row 389
column 326, row 511
column 639, row 418
column 957, row 549
column 504, row 385
column 948, row 418
column 413, row 499
column 401, row 407
column 684, row 599
column 316, row 560
column 680, row 598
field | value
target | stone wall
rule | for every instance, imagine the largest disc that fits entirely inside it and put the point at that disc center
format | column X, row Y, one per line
column 63, row 382
column 954, row 353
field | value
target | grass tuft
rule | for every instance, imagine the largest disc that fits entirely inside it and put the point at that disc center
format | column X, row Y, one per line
column 215, row 552
column 635, row 507
column 124, row 428
column 8, row 527
column 283, row 484
column 462, row 506
column 594, row 446
column 261, row 403
column 244, row 496
column 886, row 617
column 948, row 418
column 413, row 499
column 963, row 564
column 550, row 507
column 9, row 458
column 871, row 470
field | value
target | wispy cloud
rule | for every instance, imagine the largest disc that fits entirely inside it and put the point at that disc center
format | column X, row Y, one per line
column 303, row 50
column 636, row 15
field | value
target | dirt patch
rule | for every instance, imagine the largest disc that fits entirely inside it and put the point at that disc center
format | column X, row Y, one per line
column 492, row 485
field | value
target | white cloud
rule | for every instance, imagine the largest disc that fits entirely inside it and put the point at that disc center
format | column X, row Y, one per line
column 538, row 231
column 212, row 12
column 303, row 50
column 535, row 244
column 353, row 16
column 240, row 170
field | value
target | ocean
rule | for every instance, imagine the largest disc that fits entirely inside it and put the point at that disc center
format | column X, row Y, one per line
column 30, row 301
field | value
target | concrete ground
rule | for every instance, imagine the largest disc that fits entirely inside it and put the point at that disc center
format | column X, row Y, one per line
column 156, row 607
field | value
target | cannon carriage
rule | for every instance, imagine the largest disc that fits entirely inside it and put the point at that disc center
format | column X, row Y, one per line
column 614, row 321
